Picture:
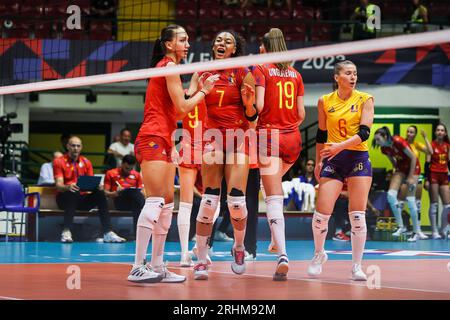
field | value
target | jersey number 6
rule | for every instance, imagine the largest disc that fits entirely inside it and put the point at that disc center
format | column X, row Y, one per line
column 342, row 128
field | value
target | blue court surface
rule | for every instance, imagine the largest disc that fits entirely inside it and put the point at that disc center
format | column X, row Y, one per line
column 299, row 250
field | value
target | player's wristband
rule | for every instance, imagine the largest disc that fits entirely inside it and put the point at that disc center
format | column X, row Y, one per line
column 321, row 136
column 364, row 132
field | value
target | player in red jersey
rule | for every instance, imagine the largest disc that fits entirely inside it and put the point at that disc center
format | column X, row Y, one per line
column 436, row 171
column 279, row 100
column 189, row 172
column 407, row 167
column 230, row 106
column 165, row 102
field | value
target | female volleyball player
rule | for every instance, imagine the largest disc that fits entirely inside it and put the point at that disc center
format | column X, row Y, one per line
column 165, row 101
column 407, row 168
column 345, row 118
column 416, row 147
column 437, row 180
column 230, row 106
column 279, row 100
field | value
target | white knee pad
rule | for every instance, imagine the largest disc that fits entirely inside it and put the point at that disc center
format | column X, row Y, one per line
column 320, row 222
column 274, row 208
column 392, row 197
column 150, row 212
column 237, row 207
column 434, row 208
column 208, row 207
column 165, row 220
column 358, row 222
column 217, row 212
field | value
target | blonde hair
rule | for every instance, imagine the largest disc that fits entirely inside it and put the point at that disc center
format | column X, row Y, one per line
column 273, row 41
column 338, row 67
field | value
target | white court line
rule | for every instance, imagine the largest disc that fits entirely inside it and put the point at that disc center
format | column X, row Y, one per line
column 325, row 281
column 9, row 298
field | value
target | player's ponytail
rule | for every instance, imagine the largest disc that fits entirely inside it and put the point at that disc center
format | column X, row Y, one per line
column 385, row 133
column 159, row 48
column 273, row 41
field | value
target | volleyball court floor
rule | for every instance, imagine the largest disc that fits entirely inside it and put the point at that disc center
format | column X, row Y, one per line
column 396, row 270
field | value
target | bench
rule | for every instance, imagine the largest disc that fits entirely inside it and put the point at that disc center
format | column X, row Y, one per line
column 49, row 208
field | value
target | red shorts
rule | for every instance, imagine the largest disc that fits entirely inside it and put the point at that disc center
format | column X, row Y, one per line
column 440, row 178
column 191, row 155
column 152, row 148
column 228, row 143
column 403, row 167
column 289, row 145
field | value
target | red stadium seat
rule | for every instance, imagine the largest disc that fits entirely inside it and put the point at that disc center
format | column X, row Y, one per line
column 19, row 29
column 303, row 13
column 283, row 14
column 256, row 13
column 186, row 9
column 320, row 32
column 55, row 9
column 209, row 9
column 232, row 13
column 9, row 7
column 100, row 30
column 32, row 8
column 44, row 29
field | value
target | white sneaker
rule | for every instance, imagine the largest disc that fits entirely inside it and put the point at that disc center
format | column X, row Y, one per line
column 315, row 267
column 414, row 237
column 282, row 268
column 111, row 236
column 186, row 260
column 201, row 271
column 422, row 236
column 143, row 274
column 221, row 236
column 249, row 256
column 66, row 236
column 399, row 232
column 168, row 276
column 238, row 264
column 357, row 273
column 435, row 235
column 208, row 258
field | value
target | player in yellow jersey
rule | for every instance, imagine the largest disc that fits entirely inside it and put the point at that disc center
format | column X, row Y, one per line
column 416, row 148
column 345, row 118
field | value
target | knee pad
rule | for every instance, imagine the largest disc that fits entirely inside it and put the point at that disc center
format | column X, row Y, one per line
column 392, row 197
column 274, row 208
column 433, row 208
column 236, row 193
column 418, row 205
column 150, row 212
column 358, row 221
column 208, row 207
column 165, row 220
column 320, row 222
column 237, row 207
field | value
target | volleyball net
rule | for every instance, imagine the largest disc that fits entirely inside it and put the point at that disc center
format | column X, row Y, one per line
column 40, row 76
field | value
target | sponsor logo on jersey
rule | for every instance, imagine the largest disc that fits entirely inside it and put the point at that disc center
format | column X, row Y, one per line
column 328, row 169
column 354, row 108
column 153, row 145
column 330, row 110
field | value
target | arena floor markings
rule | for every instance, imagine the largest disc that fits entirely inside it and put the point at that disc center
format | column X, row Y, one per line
column 396, row 270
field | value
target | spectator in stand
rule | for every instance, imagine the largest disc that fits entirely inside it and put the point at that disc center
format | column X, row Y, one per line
column 123, row 147
column 419, row 18
column 66, row 170
column 124, row 185
column 46, row 177
column 362, row 30
column 308, row 177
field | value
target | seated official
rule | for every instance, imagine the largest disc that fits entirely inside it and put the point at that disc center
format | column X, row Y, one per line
column 124, row 185
column 66, row 171
column 46, row 173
